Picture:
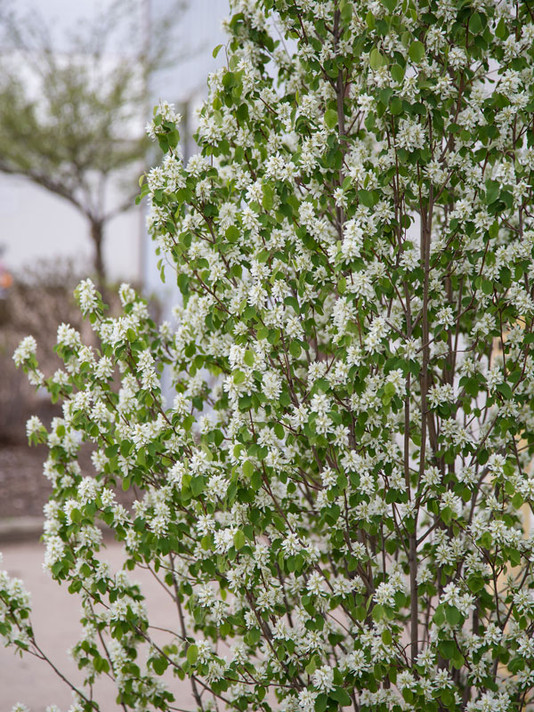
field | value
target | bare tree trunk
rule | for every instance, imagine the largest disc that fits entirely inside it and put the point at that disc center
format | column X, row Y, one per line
column 97, row 236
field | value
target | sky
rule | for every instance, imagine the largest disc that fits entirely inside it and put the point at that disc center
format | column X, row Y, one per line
column 61, row 14
column 197, row 33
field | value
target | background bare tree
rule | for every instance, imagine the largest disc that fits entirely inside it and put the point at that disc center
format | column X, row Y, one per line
column 72, row 111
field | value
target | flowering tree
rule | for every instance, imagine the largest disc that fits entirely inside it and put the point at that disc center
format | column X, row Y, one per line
column 337, row 498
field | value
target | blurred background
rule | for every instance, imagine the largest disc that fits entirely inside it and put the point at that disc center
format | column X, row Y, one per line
column 78, row 82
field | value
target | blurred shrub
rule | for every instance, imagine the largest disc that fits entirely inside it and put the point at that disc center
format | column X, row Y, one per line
column 39, row 300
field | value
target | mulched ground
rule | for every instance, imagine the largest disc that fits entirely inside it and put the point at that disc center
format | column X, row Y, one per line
column 36, row 305
column 23, row 488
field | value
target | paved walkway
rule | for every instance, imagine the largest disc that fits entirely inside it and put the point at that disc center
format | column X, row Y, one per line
column 56, row 624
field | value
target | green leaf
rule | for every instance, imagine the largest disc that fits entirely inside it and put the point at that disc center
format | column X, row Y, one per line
column 379, row 612
column 475, row 584
column 232, row 233
column 439, row 615
column 346, row 11
column 446, row 515
column 192, row 654
column 458, row 661
column 216, row 51
column 342, row 696
column 389, row 390
column 268, row 196
column 256, row 480
column 369, row 198
column 249, row 358
column 447, row 649
column 487, row 286
column 453, row 615
column 482, row 457
column 396, row 106
column 447, row 697
column 311, row 667
column 501, row 30
column 183, row 283
column 505, row 390
column 377, row 60
column 239, row 539
column 160, row 665
column 492, row 191
column 239, row 377
column 397, row 73
column 295, row 349
column 517, row 501
column 416, row 52
column 197, row 485
column 407, row 695
column 486, row 540
column 242, row 112
column 248, row 468
column 321, row 702
column 228, row 79
column 330, row 118
column 476, row 23
column 516, row 664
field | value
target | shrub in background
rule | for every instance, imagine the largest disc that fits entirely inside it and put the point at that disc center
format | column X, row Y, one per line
column 39, row 299
column 338, row 489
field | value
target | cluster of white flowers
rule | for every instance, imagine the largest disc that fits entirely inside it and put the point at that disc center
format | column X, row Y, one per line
column 87, row 296
column 25, row 350
column 163, row 113
column 352, row 240
column 411, row 135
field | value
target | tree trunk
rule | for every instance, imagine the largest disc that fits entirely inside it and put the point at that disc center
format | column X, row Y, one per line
column 97, row 236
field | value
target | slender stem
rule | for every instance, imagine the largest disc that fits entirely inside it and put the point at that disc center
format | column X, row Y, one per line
column 194, row 688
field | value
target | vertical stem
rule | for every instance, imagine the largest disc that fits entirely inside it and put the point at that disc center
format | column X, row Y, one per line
column 424, row 381
column 183, row 629
column 414, row 602
column 340, row 100
column 412, row 554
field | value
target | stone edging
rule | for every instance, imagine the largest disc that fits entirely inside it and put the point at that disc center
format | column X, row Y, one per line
column 16, row 529
column 23, row 529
